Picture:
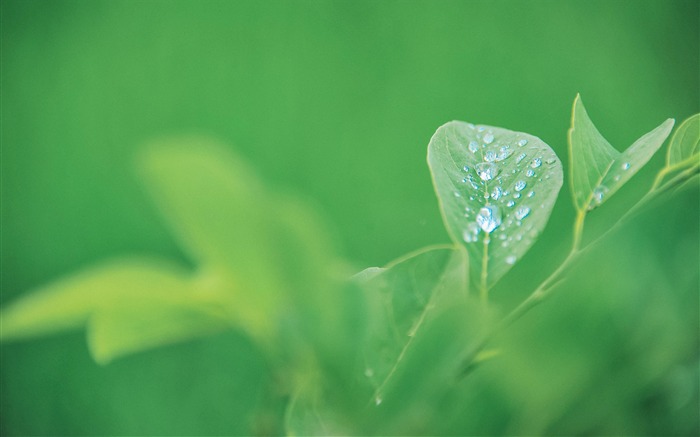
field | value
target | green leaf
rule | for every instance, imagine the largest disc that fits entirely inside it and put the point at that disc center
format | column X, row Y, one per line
column 156, row 318
column 128, row 305
column 597, row 169
column 422, row 325
column 219, row 211
column 402, row 295
column 265, row 264
column 496, row 189
column 68, row 303
column 684, row 147
column 419, row 318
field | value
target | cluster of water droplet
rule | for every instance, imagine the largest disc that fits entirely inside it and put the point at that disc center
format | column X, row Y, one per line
column 502, row 197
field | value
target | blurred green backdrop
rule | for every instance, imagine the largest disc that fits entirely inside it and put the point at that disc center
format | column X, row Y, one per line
column 337, row 101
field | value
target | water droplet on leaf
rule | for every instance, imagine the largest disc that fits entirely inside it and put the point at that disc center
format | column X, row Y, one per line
column 489, row 218
column 486, row 171
column 522, row 212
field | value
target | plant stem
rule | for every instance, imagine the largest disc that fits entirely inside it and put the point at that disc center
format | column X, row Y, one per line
column 483, row 290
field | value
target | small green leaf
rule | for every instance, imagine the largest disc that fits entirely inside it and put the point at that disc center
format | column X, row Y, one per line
column 685, row 143
column 496, row 189
column 68, row 303
column 154, row 319
column 597, row 169
column 401, row 296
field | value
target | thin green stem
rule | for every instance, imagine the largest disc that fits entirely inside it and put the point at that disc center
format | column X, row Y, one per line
column 483, row 290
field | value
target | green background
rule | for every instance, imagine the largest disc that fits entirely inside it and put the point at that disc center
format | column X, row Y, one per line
column 337, row 101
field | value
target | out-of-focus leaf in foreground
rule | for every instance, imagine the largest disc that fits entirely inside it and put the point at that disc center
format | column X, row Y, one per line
column 420, row 323
column 168, row 306
column 496, row 189
column 264, row 264
column 597, row 169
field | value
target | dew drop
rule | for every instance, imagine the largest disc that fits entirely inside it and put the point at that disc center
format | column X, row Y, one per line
column 551, row 160
column 598, row 196
column 510, row 259
column 496, row 193
column 473, row 146
column 489, row 218
column 465, row 168
column 480, row 129
column 456, row 193
column 470, row 126
column 516, row 195
column 520, row 185
column 488, row 138
column 510, row 203
column 530, row 172
column 536, row 163
column 616, row 178
column 504, row 153
column 520, row 158
column 626, row 166
column 486, row 171
column 522, row 142
column 471, row 233
column 472, row 182
column 522, row 212
column 369, row 372
column 490, row 156
column 377, row 401
column 531, row 194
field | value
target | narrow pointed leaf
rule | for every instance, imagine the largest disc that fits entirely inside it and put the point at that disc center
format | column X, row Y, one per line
column 68, row 303
column 597, row 169
column 154, row 319
column 685, row 143
column 496, row 189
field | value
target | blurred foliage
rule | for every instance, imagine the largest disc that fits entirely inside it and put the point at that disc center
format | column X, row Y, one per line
column 337, row 100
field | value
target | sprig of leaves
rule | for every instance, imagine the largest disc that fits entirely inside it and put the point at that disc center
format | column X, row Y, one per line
column 353, row 354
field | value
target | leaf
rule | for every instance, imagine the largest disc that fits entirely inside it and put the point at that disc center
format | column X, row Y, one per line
column 597, row 169
column 684, row 147
column 154, row 319
column 219, row 211
column 68, row 303
column 265, row 264
column 401, row 297
column 129, row 306
column 421, row 325
column 496, row 190
column 417, row 304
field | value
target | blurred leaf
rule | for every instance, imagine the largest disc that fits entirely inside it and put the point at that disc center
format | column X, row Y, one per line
column 154, row 319
column 597, row 169
column 685, row 143
column 68, row 303
column 496, row 190
column 266, row 265
column 419, row 318
column 218, row 210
